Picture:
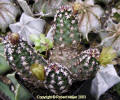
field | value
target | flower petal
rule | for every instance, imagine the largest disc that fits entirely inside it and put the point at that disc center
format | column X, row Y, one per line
column 97, row 10
column 89, row 2
column 84, row 25
column 94, row 22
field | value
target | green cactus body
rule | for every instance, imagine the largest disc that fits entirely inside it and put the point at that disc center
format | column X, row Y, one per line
column 66, row 31
column 58, row 79
column 66, row 37
column 21, row 57
column 85, row 65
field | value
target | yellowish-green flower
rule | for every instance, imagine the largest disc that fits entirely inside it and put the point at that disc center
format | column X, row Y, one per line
column 107, row 55
column 38, row 71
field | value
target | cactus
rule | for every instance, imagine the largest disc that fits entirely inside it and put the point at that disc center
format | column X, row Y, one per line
column 85, row 65
column 33, row 68
column 67, row 46
column 66, row 36
column 21, row 57
column 58, row 78
column 66, row 32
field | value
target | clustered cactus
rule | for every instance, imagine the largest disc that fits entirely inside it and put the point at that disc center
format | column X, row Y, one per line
column 67, row 39
column 28, row 63
column 32, row 67
column 66, row 62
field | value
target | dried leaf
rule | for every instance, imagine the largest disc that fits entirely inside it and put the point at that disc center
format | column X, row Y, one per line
column 104, row 80
column 8, row 13
column 26, row 8
column 27, row 26
column 111, row 36
column 88, row 17
column 47, row 7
